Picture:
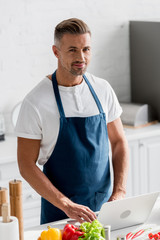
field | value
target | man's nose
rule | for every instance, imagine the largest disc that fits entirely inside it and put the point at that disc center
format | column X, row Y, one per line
column 80, row 56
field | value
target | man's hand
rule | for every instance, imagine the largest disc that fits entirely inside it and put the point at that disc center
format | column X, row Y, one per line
column 79, row 212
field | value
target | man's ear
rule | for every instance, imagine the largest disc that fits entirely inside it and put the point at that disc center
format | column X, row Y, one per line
column 55, row 51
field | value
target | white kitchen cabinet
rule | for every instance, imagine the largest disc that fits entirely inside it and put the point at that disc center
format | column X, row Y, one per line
column 9, row 171
column 133, row 180
column 150, row 165
column 144, row 146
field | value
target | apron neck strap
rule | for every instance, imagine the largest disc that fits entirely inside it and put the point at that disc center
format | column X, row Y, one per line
column 94, row 94
column 57, row 95
column 58, row 98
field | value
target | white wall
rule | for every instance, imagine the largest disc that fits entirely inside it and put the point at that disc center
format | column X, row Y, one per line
column 26, row 37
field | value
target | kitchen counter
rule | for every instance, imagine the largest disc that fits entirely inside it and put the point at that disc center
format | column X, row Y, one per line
column 153, row 221
column 143, row 132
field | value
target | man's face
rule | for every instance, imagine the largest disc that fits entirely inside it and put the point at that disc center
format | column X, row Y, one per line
column 74, row 53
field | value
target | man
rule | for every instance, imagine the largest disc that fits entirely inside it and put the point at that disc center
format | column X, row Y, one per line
column 64, row 123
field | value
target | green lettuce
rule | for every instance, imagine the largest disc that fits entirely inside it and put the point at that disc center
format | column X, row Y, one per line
column 93, row 231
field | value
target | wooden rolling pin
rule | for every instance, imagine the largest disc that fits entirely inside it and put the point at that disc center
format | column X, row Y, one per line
column 15, row 192
column 3, row 198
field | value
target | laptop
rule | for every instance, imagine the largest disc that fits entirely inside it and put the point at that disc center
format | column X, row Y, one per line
column 127, row 212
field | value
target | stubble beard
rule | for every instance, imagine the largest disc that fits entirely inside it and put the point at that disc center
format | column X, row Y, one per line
column 79, row 72
column 74, row 72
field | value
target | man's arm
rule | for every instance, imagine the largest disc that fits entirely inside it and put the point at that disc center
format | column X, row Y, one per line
column 120, row 158
column 28, row 151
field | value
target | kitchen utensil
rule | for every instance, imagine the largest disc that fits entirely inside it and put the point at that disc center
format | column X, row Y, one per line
column 15, row 191
column 8, row 225
column 3, row 197
column 9, row 230
column 107, row 229
column 5, row 212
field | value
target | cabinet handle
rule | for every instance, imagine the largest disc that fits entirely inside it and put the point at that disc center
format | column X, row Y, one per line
column 141, row 144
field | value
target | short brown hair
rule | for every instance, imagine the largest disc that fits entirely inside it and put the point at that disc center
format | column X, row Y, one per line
column 71, row 26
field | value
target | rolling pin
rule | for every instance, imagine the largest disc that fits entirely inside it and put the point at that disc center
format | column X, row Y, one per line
column 15, row 191
column 3, row 198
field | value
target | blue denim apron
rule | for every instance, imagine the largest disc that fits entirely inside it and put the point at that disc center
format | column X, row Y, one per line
column 79, row 164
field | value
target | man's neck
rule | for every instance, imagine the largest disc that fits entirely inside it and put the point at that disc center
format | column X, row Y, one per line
column 67, row 80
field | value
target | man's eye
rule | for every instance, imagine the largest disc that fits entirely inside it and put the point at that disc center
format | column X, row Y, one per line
column 86, row 49
column 72, row 50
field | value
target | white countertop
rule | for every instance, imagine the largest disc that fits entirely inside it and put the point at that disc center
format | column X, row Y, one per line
column 153, row 221
column 144, row 132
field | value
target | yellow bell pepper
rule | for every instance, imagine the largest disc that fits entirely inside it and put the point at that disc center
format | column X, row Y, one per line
column 51, row 234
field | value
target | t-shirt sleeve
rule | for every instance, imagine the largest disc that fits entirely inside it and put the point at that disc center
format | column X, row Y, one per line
column 28, row 124
column 114, row 108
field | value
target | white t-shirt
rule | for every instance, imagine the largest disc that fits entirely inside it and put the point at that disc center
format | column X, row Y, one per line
column 39, row 115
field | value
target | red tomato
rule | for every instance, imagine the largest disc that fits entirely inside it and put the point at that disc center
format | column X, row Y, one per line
column 150, row 235
column 156, row 236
